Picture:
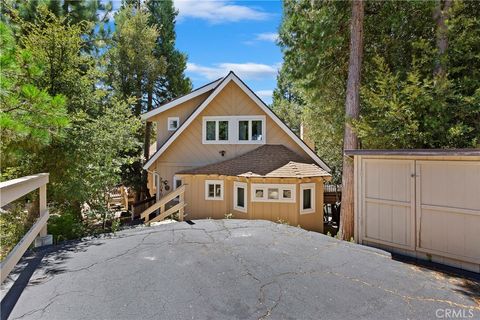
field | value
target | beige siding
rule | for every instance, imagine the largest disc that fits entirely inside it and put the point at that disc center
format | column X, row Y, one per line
column 199, row 208
column 182, row 111
column 425, row 207
column 231, row 101
column 448, row 208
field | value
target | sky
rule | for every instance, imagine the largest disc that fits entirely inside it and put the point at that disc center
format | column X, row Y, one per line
column 223, row 35
column 219, row 36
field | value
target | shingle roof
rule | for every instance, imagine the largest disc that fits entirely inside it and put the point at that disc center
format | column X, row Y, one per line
column 276, row 161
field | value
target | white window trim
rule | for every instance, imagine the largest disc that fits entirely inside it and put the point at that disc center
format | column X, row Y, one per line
column 175, row 179
column 156, row 178
column 255, row 186
column 305, row 186
column 233, row 122
column 237, row 185
column 222, row 189
column 169, row 122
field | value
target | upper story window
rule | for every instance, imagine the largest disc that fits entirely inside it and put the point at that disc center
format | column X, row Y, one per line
column 173, row 123
column 234, row 130
column 216, row 130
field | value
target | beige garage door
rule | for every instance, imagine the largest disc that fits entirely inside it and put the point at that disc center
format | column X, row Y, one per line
column 388, row 200
column 448, row 208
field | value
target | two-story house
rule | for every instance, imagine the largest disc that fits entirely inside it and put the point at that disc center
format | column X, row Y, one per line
column 235, row 156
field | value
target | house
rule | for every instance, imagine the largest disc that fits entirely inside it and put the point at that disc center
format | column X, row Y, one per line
column 234, row 156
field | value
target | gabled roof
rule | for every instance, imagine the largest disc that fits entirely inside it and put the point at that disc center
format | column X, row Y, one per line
column 218, row 88
column 175, row 102
column 271, row 161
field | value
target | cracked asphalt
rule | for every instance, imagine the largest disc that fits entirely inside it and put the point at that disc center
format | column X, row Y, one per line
column 228, row 269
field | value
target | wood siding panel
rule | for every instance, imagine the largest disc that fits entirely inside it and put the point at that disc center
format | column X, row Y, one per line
column 200, row 208
column 448, row 208
column 388, row 201
column 182, row 111
column 230, row 102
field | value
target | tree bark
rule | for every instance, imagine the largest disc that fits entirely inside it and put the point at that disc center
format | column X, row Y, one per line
column 440, row 15
column 146, row 145
column 352, row 108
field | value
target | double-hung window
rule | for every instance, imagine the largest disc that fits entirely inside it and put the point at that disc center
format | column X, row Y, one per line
column 214, row 190
column 307, row 198
column 233, row 130
column 240, row 196
column 273, row 192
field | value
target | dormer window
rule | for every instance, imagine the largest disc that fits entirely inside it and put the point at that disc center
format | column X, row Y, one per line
column 173, row 123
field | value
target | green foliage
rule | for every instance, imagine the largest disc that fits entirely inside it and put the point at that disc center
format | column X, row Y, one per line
column 173, row 82
column 66, row 226
column 402, row 104
column 13, row 225
column 29, row 116
column 134, row 67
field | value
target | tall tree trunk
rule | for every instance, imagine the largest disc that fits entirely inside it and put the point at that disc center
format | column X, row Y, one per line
column 440, row 15
column 352, row 108
column 146, row 144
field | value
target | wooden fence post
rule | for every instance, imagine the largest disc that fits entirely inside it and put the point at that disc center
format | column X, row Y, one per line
column 43, row 207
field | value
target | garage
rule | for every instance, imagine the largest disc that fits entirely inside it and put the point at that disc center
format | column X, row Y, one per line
column 420, row 203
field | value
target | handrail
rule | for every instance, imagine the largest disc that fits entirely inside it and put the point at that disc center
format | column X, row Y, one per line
column 163, row 201
column 12, row 190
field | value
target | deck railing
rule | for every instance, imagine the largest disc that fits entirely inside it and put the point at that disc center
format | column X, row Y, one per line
column 12, row 190
column 161, row 204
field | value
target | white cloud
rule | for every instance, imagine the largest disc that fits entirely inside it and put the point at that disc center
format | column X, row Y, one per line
column 264, row 94
column 267, row 36
column 245, row 71
column 218, row 11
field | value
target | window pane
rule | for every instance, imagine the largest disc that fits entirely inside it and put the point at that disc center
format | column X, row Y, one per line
column 259, row 193
column 273, row 194
column 243, row 130
column 223, row 130
column 178, row 183
column 307, row 199
column 218, row 191
column 210, row 130
column 211, row 190
column 174, row 124
column 241, row 197
column 287, row 194
column 257, row 130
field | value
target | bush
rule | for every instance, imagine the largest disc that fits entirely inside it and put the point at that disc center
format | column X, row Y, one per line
column 65, row 227
column 14, row 223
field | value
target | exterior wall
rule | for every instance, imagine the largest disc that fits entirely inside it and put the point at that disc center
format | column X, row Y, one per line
column 200, row 208
column 187, row 151
column 425, row 207
column 182, row 111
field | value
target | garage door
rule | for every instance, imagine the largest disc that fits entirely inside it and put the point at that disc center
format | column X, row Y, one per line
column 388, row 200
column 448, row 208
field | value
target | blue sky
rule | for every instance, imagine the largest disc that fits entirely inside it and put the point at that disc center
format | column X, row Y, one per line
column 223, row 35
column 219, row 36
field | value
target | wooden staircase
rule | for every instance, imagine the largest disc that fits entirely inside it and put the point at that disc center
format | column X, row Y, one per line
column 118, row 199
column 165, row 208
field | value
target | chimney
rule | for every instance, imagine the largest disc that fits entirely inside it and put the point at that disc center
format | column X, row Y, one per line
column 304, row 135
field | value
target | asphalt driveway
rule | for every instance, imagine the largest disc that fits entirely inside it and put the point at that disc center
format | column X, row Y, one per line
column 229, row 269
